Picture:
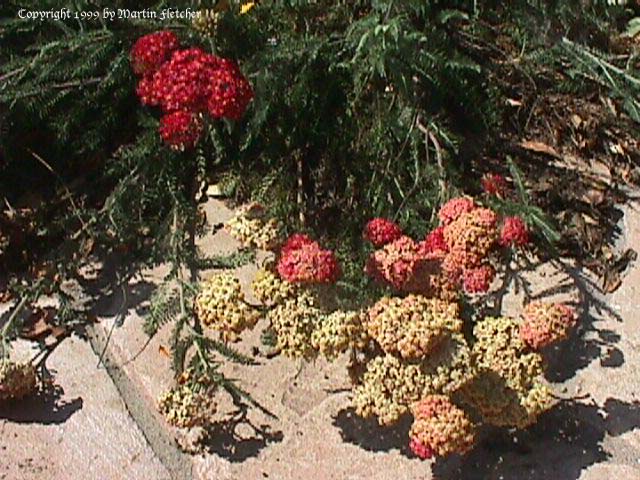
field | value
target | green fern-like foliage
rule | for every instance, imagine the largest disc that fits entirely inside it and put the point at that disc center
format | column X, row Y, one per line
column 163, row 308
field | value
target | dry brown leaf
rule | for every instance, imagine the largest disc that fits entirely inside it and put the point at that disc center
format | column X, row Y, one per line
column 611, row 282
column 594, row 197
column 40, row 325
column 576, row 120
column 612, row 278
column 183, row 378
column 539, row 147
column 164, row 351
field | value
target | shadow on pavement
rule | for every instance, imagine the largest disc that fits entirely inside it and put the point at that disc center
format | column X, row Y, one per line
column 227, row 443
column 46, row 407
column 565, row 441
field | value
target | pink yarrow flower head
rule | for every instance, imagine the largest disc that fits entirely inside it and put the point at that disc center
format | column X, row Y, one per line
column 381, row 231
column 545, row 323
column 180, row 130
column 454, row 208
column 396, row 263
column 494, row 184
column 440, row 428
column 151, row 51
column 304, row 261
column 478, row 279
column 514, row 232
column 420, row 449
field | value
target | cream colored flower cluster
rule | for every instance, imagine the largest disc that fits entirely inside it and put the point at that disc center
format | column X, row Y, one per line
column 294, row 321
column 252, row 228
column 270, row 289
column 17, row 380
column 221, row 306
column 412, row 326
column 508, row 390
column 182, row 407
column 390, row 385
column 499, row 348
column 440, row 428
column 339, row 332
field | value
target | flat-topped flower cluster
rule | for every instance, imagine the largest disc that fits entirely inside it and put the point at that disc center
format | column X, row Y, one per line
column 187, row 84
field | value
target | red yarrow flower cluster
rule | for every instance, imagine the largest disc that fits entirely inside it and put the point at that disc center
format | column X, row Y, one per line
column 151, row 51
column 230, row 93
column 494, row 184
column 381, row 231
column 188, row 80
column 434, row 244
column 180, row 129
column 514, row 232
column 302, row 260
column 295, row 242
column 184, row 82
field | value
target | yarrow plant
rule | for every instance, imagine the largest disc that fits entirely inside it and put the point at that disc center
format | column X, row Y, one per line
column 408, row 353
column 192, row 88
column 187, row 84
column 458, row 255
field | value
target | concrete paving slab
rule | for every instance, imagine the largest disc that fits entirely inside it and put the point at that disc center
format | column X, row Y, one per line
column 82, row 430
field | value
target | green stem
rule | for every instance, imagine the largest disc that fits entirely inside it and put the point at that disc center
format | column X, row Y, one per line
column 7, row 326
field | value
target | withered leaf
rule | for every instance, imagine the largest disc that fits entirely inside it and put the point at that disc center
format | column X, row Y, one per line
column 539, row 147
column 164, row 351
column 612, row 278
column 40, row 325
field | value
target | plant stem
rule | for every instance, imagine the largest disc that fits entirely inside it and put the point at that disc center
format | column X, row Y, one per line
column 7, row 326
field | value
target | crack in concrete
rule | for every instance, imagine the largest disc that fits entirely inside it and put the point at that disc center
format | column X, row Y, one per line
column 177, row 464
